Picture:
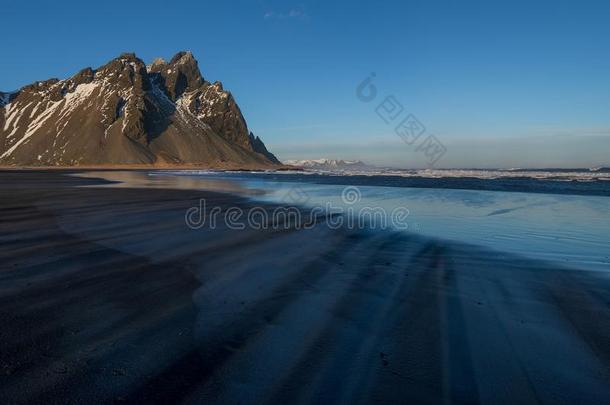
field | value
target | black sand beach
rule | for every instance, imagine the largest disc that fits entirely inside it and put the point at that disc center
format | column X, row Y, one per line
column 107, row 296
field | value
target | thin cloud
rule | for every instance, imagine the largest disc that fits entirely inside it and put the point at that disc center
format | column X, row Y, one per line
column 296, row 13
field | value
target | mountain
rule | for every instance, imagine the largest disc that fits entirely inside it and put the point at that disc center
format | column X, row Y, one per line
column 127, row 113
column 329, row 164
column 4, row 98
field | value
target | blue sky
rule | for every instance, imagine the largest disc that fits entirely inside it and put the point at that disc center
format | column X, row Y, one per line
column 510, row 84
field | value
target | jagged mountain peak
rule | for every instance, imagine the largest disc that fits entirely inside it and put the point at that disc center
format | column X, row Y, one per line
column 85, row 75
column 156, row 62
column 180, row 75
column 126, row 60
column 125, row 71
column 128, row 56
column 217, row 86
column 124, row 113
column 183, row 57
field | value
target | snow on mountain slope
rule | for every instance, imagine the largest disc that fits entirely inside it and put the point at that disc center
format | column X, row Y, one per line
column 126, row 113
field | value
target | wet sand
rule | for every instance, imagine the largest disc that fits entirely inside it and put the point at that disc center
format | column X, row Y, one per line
column 106, row 295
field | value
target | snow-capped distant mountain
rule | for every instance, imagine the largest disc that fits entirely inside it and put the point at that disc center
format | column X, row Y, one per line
column 329, row 164
column 344, row 168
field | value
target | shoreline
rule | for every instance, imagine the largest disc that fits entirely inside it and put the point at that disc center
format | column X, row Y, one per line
column 231, row 167
column 596, row 187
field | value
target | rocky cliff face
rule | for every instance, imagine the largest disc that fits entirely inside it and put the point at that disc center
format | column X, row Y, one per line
column 4, row 98
column 128, row 113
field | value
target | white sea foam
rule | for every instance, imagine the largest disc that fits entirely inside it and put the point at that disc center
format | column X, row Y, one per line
column 563, row 175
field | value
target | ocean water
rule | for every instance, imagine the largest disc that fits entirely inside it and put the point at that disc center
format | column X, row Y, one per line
column 572, row 230
column 568, row 224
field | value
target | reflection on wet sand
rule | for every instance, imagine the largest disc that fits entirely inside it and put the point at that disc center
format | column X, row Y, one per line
column 145, row 179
